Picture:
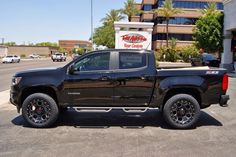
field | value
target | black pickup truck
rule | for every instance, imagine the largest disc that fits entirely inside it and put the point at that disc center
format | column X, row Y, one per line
column 118, row 79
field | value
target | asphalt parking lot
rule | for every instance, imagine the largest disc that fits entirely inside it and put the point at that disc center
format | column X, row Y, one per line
column 9, row 69
column 120, row 134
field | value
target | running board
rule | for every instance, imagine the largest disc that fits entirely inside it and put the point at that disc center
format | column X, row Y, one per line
column 91, row 109
column 106, row 110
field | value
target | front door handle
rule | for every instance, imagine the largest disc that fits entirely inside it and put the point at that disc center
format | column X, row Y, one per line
column 104, row 78
column 144, row 77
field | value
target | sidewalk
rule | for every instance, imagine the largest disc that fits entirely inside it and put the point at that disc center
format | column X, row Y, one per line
column 4, row 101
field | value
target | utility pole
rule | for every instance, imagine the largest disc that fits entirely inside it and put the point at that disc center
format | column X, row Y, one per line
column 92, row 22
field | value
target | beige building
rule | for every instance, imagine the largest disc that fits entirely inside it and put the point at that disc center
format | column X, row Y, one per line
column 69, row 45
column 229, row 55
column 181, row 25
column 3, row 51
column 27, row 50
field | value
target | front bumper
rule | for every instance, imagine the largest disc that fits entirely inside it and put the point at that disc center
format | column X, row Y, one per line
column 14, row 99
column 224, row 100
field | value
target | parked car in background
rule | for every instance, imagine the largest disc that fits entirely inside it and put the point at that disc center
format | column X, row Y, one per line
column 34, row 56
column 58, row 57
column 206, row 59
column 11, row 59
column 75, row 56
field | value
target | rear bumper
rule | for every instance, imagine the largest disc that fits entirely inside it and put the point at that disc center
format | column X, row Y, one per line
column 224, row 100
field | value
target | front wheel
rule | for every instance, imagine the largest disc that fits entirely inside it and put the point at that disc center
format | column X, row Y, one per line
column 40, row 110
column 181, row 111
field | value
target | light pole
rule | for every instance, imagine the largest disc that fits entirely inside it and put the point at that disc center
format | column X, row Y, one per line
column 92, row 22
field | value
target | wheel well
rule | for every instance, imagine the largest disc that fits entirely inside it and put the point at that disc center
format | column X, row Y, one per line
column 191, row 91
column 31, row 90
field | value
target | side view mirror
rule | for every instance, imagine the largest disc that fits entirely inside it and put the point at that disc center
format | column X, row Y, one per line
column 71, row 69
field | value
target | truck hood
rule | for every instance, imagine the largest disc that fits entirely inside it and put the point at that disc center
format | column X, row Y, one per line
column 37, row 72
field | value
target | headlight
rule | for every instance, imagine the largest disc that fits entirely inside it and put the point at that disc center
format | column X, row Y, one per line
column 16, row 80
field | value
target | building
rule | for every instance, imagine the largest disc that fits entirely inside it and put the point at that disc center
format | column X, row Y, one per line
column 69, row 45
column 27, row 50
column 229, row 55
column 3, row 51
column 180, row 25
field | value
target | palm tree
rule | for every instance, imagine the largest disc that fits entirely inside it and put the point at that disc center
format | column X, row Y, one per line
column 210, row 8
column 130, row 9
column 112, row 16
column 168, row 11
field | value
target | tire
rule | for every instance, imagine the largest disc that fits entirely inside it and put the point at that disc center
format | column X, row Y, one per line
column 181, row 111
column 44, row 111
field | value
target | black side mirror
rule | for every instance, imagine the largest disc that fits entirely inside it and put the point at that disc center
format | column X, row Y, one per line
column 72, row 69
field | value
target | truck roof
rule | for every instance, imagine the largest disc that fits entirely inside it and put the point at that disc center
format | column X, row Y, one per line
column 124, row 50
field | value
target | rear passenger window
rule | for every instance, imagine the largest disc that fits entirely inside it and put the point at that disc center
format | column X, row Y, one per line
column 130, row 60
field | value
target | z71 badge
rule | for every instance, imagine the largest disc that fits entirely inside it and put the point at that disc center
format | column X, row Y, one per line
column 212, row 72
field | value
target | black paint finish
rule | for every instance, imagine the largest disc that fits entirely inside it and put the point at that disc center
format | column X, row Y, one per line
column 144, row 86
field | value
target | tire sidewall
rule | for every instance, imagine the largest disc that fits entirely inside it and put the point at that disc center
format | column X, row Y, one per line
column 51, row 102
column 167, row 109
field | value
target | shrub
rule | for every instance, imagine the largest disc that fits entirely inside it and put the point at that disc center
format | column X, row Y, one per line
column 23, row 56
column 169, row 54
column 188, row 52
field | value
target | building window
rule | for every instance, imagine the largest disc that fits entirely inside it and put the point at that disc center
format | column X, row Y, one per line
column 177, row 21
column 147, row 7
column 190, row 5
column 182, row 37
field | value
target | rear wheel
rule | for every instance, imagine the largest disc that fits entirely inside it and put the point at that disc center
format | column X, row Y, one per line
column 181, row 111
column 40, row 110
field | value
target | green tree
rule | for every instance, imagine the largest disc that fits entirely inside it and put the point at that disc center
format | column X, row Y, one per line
column 168, row 11
column 105, row 35
column 208, row 33
column 210, row 8
column 112, row 16
column 51, row 44
column 130, row 9
column 10, row 43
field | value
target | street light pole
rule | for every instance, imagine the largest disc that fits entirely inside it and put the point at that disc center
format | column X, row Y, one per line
column 92, row 22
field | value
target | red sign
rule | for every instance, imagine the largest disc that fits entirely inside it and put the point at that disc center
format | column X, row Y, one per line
column 133, row 38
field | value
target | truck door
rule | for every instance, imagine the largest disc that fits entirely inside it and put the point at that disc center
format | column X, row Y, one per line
column 133, row 84
column 92, row 82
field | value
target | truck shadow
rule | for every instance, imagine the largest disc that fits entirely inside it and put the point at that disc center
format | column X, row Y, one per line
column 118, row 118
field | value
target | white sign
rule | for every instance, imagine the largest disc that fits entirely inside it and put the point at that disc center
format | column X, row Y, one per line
column 128, row 39
column 134, row 40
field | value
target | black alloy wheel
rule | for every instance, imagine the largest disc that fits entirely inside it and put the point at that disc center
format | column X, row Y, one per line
column 40, row 110
column 182, row 111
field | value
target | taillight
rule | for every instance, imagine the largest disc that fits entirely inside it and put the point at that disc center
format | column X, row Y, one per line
column 225, row 82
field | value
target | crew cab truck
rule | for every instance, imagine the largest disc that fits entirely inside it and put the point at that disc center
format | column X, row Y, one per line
column 118, row 79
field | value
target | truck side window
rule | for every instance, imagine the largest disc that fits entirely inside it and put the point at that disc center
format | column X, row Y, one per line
column 129, row 60
column 94, row 62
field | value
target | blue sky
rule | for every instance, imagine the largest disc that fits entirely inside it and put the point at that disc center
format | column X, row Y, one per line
column 51, row 20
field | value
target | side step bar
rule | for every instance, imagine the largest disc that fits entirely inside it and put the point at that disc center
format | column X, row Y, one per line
column 106, row 110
